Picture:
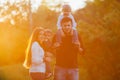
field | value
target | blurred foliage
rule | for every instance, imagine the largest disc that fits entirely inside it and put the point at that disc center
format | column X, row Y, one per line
column 45, row 18
column 97, row 23
column 14, row 31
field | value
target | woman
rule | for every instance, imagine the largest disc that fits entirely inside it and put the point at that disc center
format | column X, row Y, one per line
column 35, row 55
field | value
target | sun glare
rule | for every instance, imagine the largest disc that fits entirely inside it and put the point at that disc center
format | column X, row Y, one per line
column 76, row 4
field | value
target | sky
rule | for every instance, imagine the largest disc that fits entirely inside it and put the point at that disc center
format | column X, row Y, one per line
column 75, row 4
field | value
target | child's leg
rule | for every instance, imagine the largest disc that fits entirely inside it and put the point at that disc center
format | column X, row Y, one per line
column 48, row 70
column 47, row 60
column 76, row 40
column 75, row 37
column 48, row 67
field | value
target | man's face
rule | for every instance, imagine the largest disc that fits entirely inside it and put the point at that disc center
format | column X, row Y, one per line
column 67, row 27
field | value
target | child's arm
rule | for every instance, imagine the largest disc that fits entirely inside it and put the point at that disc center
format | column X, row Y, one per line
column 59, row 20
column 74, row 22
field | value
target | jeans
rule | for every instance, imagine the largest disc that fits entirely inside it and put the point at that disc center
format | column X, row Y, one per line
column 66, row 74
column 48, row 67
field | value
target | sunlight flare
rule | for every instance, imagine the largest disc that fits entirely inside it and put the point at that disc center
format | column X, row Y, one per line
column 76, row 4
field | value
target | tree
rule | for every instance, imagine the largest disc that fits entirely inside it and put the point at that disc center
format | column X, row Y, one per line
column 14, row 31
column 98, row 23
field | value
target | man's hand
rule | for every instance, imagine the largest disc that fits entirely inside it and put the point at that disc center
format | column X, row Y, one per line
column 79, row 48
column 81, row 51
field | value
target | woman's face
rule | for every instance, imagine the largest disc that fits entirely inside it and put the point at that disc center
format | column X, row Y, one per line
column 41, row 36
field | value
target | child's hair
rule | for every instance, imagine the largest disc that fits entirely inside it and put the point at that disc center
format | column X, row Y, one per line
column 47, row 31
column 66, row 8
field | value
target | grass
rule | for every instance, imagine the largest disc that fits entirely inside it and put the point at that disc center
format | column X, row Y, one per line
column 14, row 72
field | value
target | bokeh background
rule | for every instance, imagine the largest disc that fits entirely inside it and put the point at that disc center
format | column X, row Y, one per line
column 98, row 23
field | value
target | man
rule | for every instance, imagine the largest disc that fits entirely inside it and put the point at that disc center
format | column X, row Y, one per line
column 66, row 67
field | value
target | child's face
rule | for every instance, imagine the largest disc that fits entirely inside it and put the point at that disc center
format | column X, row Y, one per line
column 66, row 13
column 48, row 35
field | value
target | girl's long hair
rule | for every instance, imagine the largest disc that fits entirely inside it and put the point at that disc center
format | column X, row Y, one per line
column 33, row 37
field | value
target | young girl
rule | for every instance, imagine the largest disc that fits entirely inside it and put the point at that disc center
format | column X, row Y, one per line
column 66, row 12
column 47, row 45
column 34, row 60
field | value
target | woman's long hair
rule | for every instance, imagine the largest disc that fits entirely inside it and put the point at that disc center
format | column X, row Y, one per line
column 33, row 37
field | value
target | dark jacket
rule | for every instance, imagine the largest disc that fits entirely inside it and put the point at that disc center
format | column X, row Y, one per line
column 67, row 53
